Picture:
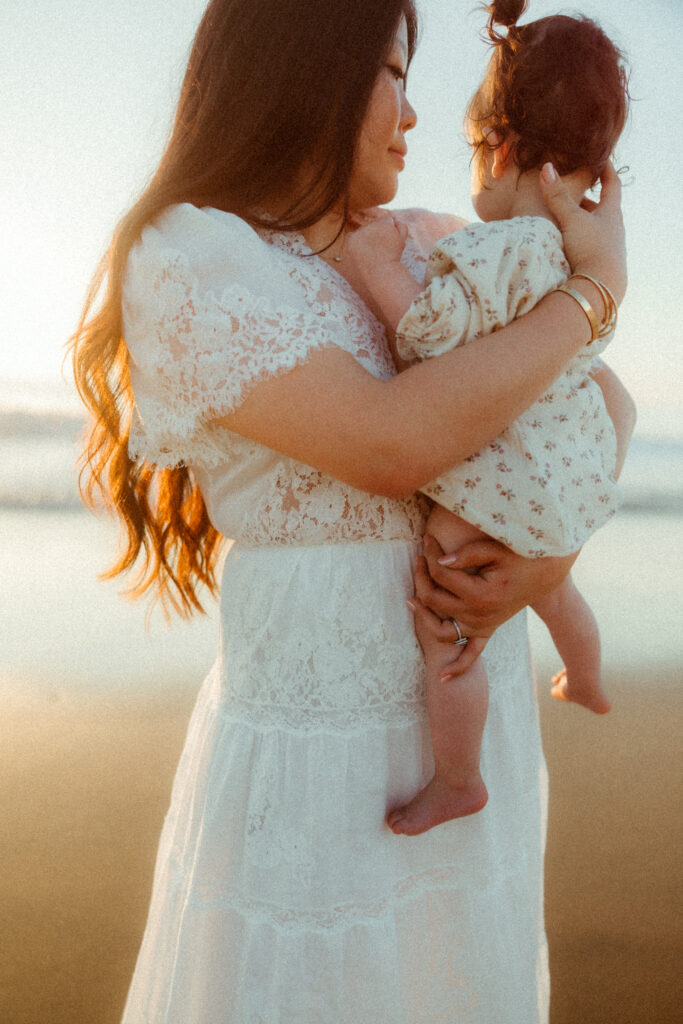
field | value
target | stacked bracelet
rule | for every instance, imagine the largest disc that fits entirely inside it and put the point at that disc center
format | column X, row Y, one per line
column 599, row 329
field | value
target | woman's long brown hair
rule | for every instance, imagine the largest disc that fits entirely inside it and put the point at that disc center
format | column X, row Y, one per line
column 271, row 86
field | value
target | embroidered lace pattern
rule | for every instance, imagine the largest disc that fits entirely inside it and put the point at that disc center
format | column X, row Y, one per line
column 214, row 329
column 219, row 896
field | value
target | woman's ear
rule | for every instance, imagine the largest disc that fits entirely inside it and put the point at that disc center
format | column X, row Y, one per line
column 502, row 154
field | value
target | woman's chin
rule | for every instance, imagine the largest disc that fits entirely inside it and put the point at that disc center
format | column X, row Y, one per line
column 378, row 194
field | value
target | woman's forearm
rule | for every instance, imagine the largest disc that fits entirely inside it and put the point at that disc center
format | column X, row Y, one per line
column 480, row 388
column 391, row 437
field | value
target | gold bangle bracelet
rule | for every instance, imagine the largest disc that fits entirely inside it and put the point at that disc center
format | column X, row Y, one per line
column 599, row 329
column 609, row 320
column 586, row 307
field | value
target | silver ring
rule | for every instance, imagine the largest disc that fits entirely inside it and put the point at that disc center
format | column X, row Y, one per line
column 462, row 640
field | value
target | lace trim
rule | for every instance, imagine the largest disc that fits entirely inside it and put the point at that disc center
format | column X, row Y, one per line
column 186, row 384
column 325, row 288
column 219, row 896
column 346, row 721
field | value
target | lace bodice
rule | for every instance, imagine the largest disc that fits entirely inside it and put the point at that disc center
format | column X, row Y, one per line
column 211, row 308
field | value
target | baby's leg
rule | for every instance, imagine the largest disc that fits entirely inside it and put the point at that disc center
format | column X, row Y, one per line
column 575, row 633
column 457, row 716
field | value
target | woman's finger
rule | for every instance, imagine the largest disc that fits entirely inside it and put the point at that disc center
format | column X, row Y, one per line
column 440, row 601
column 460, row 596
column 466, row 659
column 610, row 192
column 475, row 555
column 440, row 573
column 426, row 621
column 424, row 585
column 556, row 196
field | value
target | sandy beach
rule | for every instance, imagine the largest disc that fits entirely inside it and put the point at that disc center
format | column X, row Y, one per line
column 94, row 716
column 85, row 781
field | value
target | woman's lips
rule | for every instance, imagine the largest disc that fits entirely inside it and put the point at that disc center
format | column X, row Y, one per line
column 400, row 157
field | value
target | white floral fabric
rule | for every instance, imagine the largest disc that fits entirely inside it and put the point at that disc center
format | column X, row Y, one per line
column 280, row 896
column 546, row 484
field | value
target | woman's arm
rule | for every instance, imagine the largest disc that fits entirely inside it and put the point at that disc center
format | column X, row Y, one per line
column 391, row 437
column 484, row 583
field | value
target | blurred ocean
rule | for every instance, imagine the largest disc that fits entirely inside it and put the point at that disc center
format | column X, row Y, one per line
column 61, row 628
column 40, row 439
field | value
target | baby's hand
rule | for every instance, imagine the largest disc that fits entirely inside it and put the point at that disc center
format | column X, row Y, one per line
column 377, row 243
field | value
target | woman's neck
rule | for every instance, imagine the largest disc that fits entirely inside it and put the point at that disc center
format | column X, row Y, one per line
column 327, row 234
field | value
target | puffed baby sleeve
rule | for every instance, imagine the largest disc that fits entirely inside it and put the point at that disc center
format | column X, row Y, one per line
column 208, row 313
column 478, row 280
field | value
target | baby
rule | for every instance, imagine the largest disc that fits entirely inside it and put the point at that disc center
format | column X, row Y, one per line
column 555, row 90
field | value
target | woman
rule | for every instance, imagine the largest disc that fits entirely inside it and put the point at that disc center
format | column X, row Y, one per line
column 267, row 410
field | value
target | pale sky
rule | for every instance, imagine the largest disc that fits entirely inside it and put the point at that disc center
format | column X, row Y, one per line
column 89, row 88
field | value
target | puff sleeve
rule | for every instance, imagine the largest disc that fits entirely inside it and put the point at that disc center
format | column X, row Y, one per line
column 208, row 312
column 478, row 280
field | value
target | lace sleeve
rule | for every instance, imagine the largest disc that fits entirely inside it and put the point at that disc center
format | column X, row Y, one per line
column 208, row 313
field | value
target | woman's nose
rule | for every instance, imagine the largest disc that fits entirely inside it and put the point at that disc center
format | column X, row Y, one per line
column 408, row 115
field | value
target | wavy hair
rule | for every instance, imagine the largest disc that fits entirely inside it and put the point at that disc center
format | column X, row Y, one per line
column 272, row 86
column 559, row 84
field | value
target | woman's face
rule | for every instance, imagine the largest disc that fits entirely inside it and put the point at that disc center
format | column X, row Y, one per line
column 381, row 145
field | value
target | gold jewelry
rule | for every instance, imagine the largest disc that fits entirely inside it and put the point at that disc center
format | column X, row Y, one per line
column 599, row 329
column 328, row 256
column 585, row 306
column 609, row 320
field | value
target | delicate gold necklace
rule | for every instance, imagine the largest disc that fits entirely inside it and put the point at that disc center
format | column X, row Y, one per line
column 329, row 258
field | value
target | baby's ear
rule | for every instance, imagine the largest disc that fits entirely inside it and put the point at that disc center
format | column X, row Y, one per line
column 502, row 154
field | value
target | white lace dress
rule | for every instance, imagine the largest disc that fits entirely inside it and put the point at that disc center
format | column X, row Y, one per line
column 280, row 896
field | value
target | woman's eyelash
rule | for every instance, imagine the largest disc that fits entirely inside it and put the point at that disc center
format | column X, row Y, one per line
column 397, row 72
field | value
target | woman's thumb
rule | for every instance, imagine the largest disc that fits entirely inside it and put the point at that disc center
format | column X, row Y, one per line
column 556, row 195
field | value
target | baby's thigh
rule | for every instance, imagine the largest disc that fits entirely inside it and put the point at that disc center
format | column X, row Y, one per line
column 449, row 530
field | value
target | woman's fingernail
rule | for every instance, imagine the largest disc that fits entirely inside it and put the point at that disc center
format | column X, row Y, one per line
column 549, row 174
column 448, row 560
column 446, row 678
column 411, row 605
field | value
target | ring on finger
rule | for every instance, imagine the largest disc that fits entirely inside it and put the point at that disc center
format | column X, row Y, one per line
column 462, row 640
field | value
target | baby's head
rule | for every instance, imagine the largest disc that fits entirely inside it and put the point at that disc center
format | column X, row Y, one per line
column 555, row 90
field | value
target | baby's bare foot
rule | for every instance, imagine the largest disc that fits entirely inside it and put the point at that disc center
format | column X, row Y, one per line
column 590, row 694
column 439, row 801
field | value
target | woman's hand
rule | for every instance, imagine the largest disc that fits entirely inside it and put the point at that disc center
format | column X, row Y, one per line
column 379, row 242
column 481, row 586
column 592, row 233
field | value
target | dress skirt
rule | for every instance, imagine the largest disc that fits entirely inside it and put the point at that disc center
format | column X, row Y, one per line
column 280, row 896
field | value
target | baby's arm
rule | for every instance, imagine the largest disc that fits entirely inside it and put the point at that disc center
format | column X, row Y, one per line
column 374, row 251
column 575, row 634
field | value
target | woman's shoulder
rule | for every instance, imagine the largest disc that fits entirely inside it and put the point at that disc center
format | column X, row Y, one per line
column 200, row 250
column 200, row 233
